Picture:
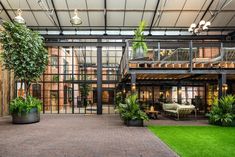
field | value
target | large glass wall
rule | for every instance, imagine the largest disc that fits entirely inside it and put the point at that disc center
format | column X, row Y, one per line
column 69, row 84
column 155, row 95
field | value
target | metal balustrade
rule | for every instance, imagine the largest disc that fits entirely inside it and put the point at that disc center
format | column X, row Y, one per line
column 175, row 55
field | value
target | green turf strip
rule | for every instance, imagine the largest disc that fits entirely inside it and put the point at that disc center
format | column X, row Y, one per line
column 198, row 141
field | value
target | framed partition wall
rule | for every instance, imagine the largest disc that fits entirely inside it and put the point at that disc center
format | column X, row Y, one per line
column 71, row 81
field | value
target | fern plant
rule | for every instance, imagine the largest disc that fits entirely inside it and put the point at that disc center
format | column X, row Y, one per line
column 139, row 40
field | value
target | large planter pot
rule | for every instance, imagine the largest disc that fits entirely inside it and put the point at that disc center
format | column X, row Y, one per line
column 138, row 123
column 32, row 116
column 139, row 53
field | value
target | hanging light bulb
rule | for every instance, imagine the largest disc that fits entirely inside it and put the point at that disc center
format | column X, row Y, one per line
column 75, row 20
column 19, row 18
column 202, row 23
column 190, row 29
column 196, row 31
column 193, row 25
column 205, row 27
column 208, row 23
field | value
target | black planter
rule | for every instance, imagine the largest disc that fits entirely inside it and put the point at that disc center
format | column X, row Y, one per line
column 33, row 116
column 138, row 123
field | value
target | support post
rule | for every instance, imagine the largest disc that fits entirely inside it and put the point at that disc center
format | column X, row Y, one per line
column 191, row 55
column 222, row 52
column 179, row 93
column 133, row 82
column 99, row 80
column 158, row 53
column 222, row 85
column 72, row 80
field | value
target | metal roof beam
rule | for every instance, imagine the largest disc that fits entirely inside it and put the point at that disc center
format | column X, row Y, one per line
column 8, row 15
column 207, row 9
column 157, row 37
column 154, row 14
column 53, row 5
column 105, row 17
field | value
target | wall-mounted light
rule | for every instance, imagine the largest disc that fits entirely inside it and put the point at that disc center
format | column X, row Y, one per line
column 19, row 18
column 225, row 87
column 75, row 20
column 133, row 87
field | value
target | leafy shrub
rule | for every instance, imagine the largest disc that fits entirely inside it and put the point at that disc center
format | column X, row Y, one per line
column 23, row 52
column 130, row 110
column 22, row 105
column 222, row 112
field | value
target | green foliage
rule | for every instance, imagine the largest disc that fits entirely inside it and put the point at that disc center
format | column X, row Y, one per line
column 85, row 88
column 55, row 78
column 198, row 141
column 23, row 52
column 139, row 39
column 130, row 110
column 222, row 112
column 22, row 105
column 118, row 98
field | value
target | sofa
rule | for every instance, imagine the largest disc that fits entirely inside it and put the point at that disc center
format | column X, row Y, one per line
column 178, row 110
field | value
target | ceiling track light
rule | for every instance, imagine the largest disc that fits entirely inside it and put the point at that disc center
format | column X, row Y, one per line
column 19, row 18
column 75, row 20
column 202, row 26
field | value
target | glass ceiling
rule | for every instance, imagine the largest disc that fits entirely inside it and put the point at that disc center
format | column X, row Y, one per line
column 120, row 17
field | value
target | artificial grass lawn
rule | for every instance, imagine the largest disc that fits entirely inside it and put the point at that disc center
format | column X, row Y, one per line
column 198, row 141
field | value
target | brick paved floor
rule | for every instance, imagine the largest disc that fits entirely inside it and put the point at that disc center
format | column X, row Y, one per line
column 78, row 136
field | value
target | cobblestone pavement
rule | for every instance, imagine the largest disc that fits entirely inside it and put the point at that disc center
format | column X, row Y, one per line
column 79, row 136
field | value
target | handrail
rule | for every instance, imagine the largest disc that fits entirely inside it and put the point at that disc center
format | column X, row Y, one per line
column 226, row 53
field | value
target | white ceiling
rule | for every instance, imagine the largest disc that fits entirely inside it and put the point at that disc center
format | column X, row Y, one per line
column 122, row 14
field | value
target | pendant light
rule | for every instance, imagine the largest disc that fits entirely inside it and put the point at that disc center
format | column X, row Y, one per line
column 75, row 20
column 19, row 18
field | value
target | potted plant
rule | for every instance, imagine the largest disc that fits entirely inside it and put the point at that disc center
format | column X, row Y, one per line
column 84, row 90
column 131, row 113
column 223, row 111
column 23, row 54
column 139, row 46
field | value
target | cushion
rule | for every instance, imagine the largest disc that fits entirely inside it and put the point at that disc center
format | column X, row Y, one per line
column 171, row 111
column 169, row 106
